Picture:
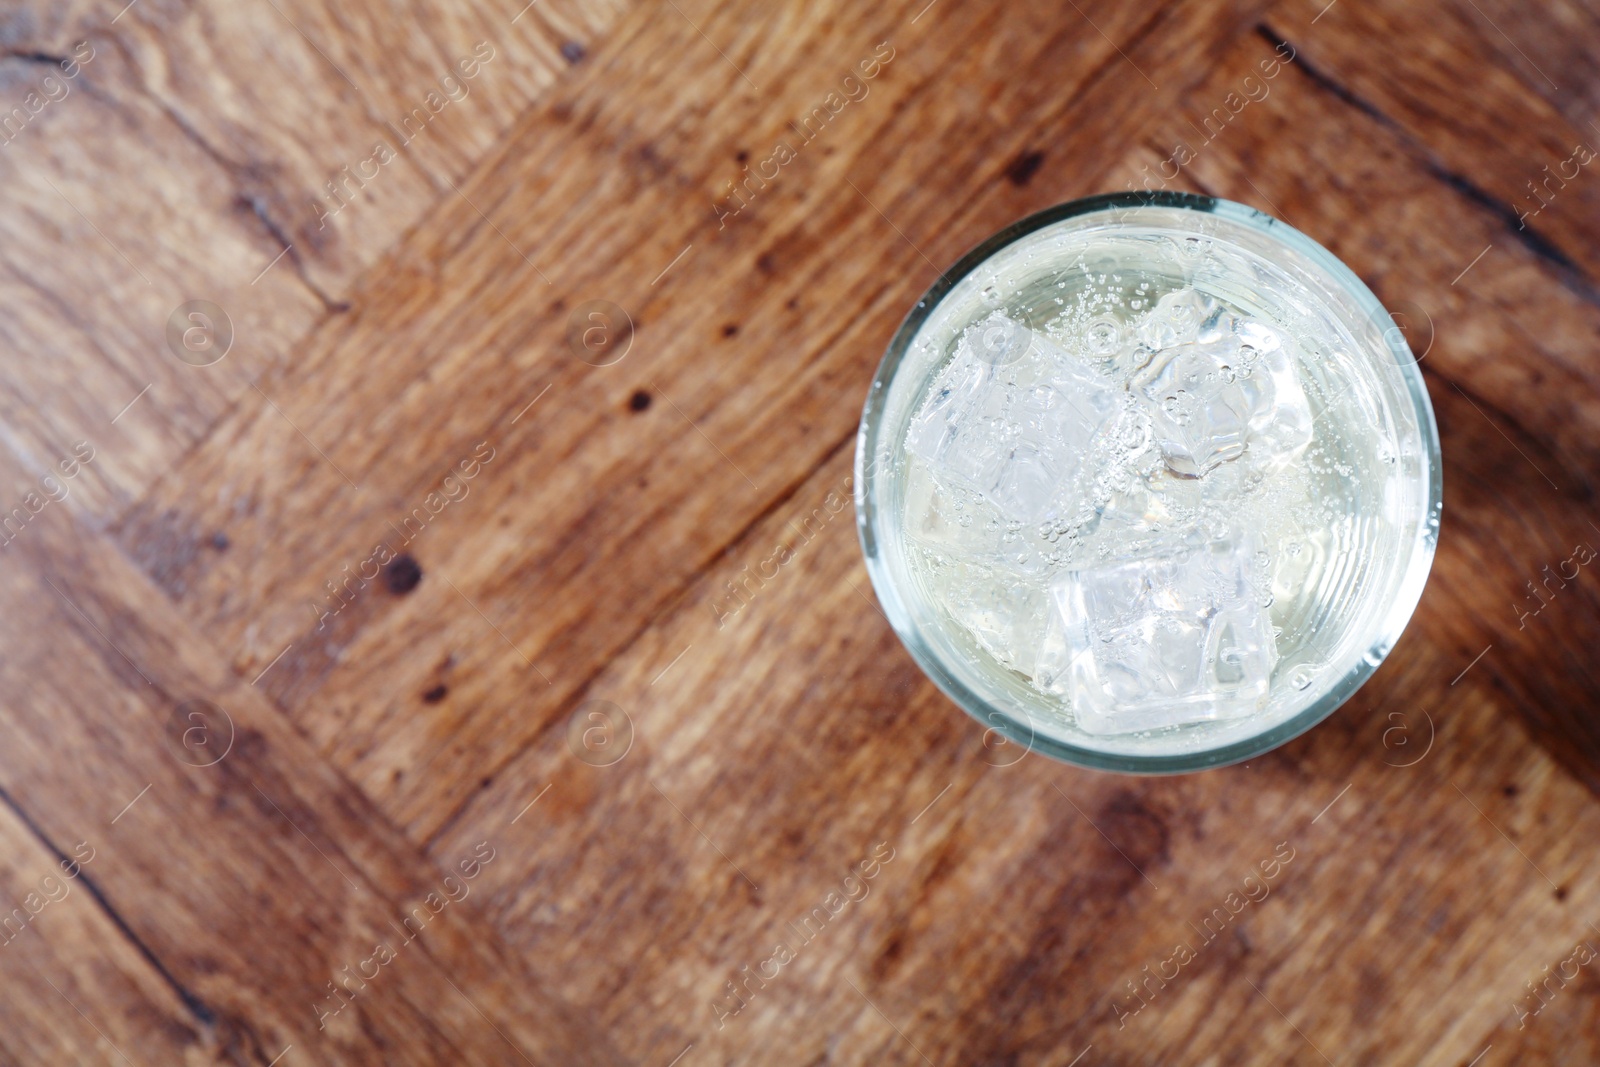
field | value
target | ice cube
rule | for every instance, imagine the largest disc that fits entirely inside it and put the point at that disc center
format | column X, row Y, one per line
column 1217, row 385
column 1015, row 417
column 1175, row 320
column 1199, row 413
column 1301, row 548
column 999, row 341
column 1280, row 420
column 1155, row 502
column 1298, row 560
column 956, row 523
column 1167, row 639
column 1007, row 616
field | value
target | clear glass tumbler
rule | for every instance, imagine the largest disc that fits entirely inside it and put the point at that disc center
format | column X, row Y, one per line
column 1342, row 565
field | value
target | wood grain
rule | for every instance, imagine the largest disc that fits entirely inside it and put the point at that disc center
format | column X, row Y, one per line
column 462, row 592
column 222, row 126
column 78, row 989
column 268, row 839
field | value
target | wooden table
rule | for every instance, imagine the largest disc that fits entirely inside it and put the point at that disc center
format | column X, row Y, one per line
column 393, row 394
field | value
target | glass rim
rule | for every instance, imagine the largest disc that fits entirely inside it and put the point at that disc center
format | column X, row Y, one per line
column 1408, row 590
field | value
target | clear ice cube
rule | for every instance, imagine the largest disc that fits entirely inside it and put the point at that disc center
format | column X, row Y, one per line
column 956, row 523
column 1014, row 416
column 1298, row 561
column 1280, row 420
column 1218, row 385
column 1199, row 413
column 1167, row 639
column 1153, row 503
column 1176, row 319
column 1006, row 615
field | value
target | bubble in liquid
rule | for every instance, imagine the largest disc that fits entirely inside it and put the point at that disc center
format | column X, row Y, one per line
column 1175, row 408
column 1103, row 337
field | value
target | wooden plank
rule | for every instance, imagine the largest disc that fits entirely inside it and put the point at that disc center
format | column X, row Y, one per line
column 254, row 873
column 1550, row 1017
column 75, row 989
column 593, row 530
column 175, row 168
column 85, row 332
column 1514, row 146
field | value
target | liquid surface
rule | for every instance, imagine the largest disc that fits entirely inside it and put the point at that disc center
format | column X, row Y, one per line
column 1147, row 478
